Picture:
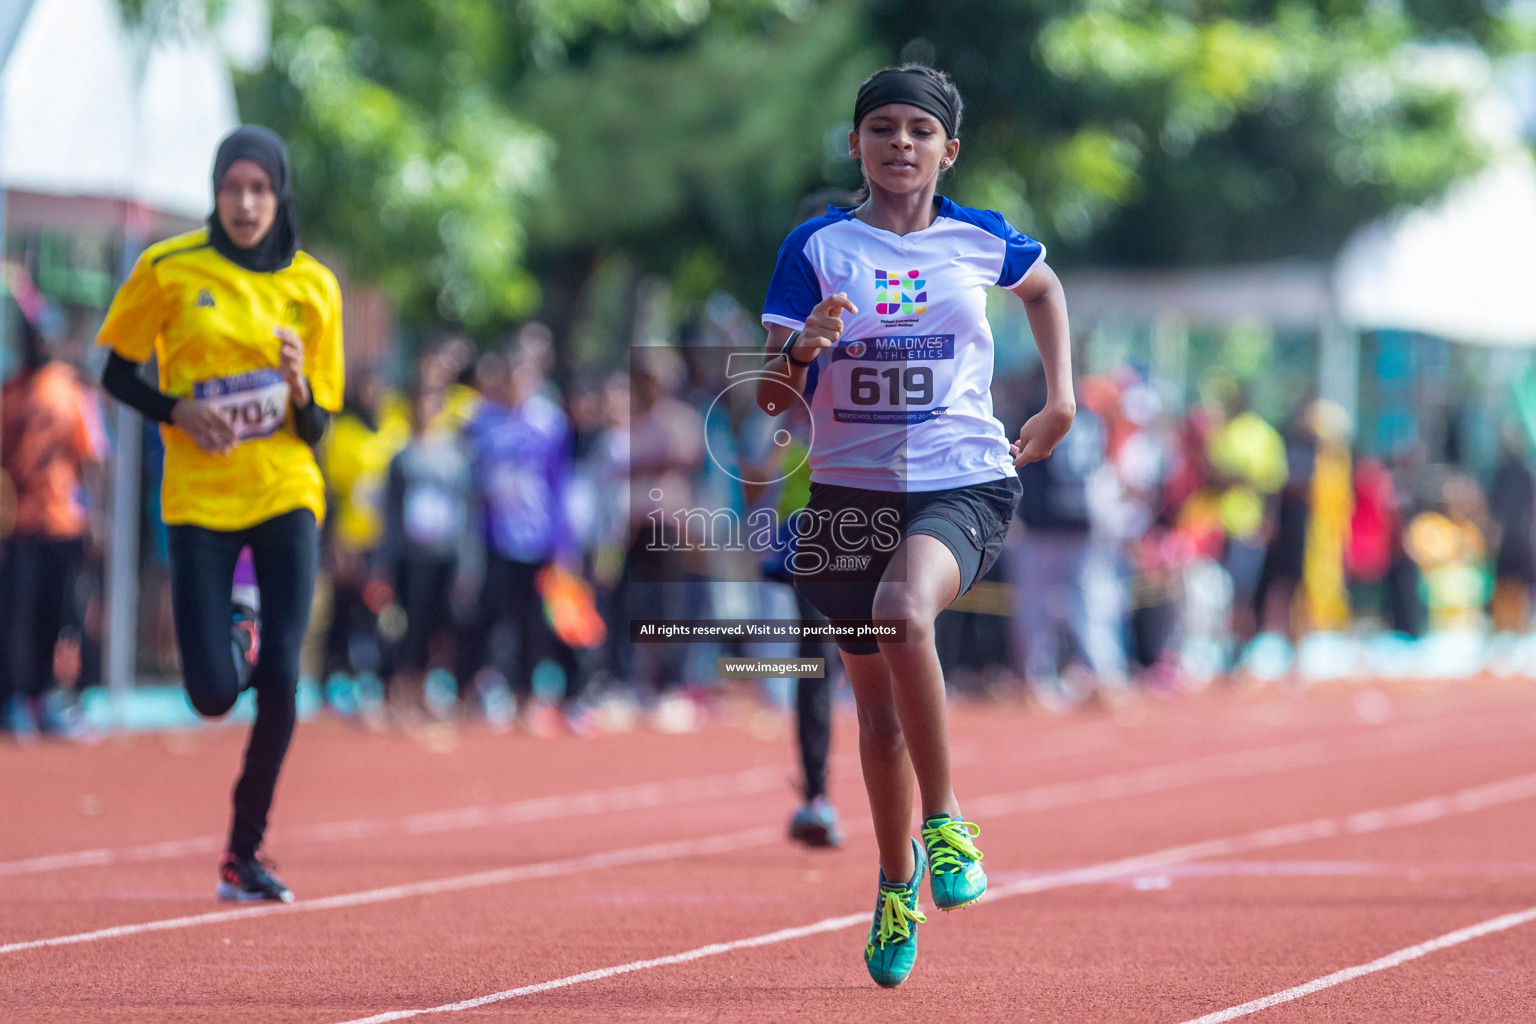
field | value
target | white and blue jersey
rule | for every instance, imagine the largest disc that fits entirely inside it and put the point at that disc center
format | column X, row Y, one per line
column 903, row 402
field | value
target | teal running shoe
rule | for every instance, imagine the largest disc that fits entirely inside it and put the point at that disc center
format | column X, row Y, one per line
column 815, row 824
column 891, row 949
column 956, row 878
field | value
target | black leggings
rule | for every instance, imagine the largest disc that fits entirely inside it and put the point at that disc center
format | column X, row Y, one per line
column 813, row 710
column 351, row 642
column 36, row 577
column 510, row 595
column 285, row 549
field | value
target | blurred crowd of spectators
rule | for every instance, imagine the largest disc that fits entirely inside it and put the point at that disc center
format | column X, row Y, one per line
column 1165, row 551
column 485, row 547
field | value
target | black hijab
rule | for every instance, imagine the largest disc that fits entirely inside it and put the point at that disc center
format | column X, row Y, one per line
column 276, row 248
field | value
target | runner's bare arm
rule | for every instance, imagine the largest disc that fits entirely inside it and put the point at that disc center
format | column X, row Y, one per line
column 822, row 329
column 309, row 419
column 1045, row 303
column 290, row 360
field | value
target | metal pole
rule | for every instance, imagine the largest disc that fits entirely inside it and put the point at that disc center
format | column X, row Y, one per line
column 1170, row 360
column 1339, row 365
column 123, row 539
column 11, row 21
column 123, row 555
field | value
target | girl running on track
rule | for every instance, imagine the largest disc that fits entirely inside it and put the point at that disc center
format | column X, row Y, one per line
column 247, row 333
column 913, row 480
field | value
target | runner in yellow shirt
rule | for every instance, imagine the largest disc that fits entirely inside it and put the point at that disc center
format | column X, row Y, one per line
column 246, row 329
column 355, row 459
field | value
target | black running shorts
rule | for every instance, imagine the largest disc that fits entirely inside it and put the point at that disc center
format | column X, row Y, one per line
column 845, row 537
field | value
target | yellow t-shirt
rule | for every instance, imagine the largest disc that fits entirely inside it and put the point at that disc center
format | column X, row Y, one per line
column 208, row 319
column 357, row 465
column 460, row 403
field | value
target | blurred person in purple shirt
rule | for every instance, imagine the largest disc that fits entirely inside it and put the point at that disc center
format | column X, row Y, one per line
column 520, row 446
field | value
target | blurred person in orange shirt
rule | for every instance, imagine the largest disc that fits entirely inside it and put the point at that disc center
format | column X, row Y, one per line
column 51, row 436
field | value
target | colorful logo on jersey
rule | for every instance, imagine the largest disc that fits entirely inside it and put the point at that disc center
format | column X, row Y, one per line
column 900, row 293
column 856, row 349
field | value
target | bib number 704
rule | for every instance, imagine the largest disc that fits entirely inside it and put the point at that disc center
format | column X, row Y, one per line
column 256, row 412
column 912, row 385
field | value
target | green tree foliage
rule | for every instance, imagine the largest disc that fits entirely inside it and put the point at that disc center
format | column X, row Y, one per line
column 1142, row 132
column 409, row 156
column 479, row 157
column 1121, row 131
column 693, row 161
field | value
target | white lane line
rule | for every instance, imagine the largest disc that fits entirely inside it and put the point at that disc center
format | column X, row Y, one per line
column 748, row 781
column 1464, row 802
column 1325, row 869
column 1140, row 782
column 458, row 883
column 1224, row 767
column 602, row 801
column 1402, row 956
column 831, row 924
column 166, row 850
column 766, row 778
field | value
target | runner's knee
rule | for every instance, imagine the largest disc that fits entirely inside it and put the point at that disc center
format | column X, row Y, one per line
column 899, row 602
column 213, row 701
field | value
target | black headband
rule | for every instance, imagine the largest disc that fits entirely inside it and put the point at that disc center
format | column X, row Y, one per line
column 896, row 85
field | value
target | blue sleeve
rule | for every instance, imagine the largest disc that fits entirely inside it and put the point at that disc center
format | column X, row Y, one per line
column 567, row 547
column 794, row 290
column 1021, row 254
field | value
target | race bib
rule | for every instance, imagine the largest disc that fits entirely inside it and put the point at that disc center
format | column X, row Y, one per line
column 433, row 515
column 254, row 403
column 892, row 380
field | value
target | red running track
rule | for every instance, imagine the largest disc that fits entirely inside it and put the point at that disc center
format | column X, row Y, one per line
column 1267, row 857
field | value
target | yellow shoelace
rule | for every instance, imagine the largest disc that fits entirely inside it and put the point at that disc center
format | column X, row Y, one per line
column 948, row 841
column 896, row 918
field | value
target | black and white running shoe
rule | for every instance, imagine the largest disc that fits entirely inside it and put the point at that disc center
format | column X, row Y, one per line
column 249, row 881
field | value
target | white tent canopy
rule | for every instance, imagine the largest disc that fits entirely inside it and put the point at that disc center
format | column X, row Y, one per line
column 1463, row 268
column 90, row 109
